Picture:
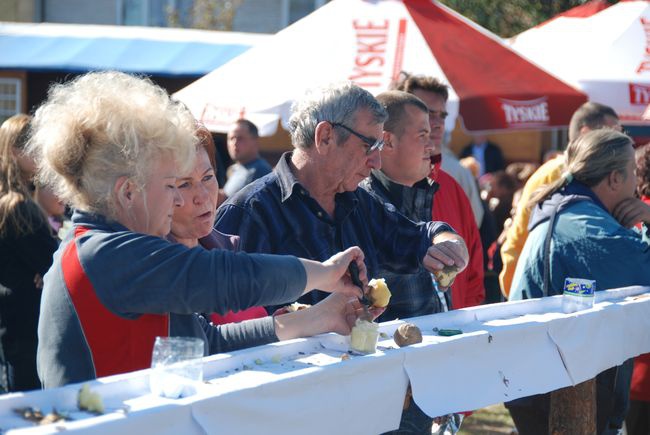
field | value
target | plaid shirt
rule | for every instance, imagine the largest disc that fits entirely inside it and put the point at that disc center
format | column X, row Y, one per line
column 276, row 214
column 413, row 293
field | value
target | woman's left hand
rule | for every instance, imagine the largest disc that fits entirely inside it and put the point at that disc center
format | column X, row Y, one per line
column 340, row 314
column 336, row 313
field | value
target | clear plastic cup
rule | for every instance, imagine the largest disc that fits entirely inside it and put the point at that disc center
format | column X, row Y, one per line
column 176, row 366
column 578, row 294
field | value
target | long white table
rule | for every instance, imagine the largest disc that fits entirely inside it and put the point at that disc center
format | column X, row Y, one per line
column 506, row 351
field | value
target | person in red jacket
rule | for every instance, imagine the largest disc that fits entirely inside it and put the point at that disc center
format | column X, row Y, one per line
column 450, row 204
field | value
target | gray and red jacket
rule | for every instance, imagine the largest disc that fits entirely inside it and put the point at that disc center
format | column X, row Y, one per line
column 111, row 291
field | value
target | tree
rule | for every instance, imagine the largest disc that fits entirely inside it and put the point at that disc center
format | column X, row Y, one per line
column 573, row 410
column 507, row 18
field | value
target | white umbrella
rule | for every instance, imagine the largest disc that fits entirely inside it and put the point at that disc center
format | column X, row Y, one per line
column 370, row 42
column 607, row 55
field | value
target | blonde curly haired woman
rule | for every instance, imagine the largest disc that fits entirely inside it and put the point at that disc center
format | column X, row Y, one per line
column 112, row 146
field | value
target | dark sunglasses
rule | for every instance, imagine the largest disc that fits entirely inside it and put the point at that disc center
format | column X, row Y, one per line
column 372, row 144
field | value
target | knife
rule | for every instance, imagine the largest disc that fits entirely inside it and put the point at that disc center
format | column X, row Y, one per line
column 354, row 274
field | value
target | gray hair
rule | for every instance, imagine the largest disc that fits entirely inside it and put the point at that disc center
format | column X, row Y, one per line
column 337, row 103
column 591, row 158
column 102, row 126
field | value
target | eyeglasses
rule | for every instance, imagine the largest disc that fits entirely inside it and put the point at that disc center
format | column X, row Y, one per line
column 371, row 143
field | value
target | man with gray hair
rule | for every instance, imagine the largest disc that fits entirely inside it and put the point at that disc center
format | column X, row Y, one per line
column 311, row 204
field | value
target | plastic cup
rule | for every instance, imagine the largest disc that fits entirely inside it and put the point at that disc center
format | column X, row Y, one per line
column 176, row 366
column 578, row 295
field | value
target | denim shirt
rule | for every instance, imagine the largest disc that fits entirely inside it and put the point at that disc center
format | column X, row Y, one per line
column 241, row 175
column 413, row 293
column 276, row 214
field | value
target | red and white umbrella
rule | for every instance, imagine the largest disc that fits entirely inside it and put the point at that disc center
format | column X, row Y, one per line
column 370, row 42
column 607, row 55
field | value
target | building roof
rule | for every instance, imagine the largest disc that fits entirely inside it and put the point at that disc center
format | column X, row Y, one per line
column 80, row 48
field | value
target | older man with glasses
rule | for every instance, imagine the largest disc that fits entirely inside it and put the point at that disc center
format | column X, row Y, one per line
column 311, row 204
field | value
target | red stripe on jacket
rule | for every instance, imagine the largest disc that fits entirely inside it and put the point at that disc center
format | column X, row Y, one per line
column 117, row 345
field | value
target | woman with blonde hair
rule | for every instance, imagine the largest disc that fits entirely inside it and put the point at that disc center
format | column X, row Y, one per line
column 580, row 227
column 112, row 146
column 26, row 248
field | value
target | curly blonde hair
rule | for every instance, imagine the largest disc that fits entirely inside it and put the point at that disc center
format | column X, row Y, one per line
column 102, row 126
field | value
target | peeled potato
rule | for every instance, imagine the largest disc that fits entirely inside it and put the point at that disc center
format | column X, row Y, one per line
column 89, row 400
column 379, row 295
column 407, row 334
column 445, row 277
column 296, row 307
column 364, row 335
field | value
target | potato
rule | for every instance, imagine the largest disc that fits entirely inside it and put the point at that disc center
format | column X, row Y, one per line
column 446, row 276
column 296, row 307
column 378, row 295
column 407, row 334
column 363, row 337
column 89, row 400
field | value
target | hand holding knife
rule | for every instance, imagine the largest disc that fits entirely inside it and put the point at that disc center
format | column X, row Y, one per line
column 365, row 303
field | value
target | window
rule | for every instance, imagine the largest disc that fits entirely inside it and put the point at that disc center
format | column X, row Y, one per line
column 135, row 12
column 159, row 13
column 299, row 9
column 9, row 98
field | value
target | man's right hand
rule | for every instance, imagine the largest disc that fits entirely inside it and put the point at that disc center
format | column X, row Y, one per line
column 448, row 249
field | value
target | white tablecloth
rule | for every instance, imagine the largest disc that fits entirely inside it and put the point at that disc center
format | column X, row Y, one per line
column 506, row 351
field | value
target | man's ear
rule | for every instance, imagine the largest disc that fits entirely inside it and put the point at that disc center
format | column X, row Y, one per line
column 615, row 180
column 390, row 142
column 324, row 137
column 123, row 191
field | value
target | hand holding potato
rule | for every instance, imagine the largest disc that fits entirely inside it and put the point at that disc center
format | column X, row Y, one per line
column 447, row 254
